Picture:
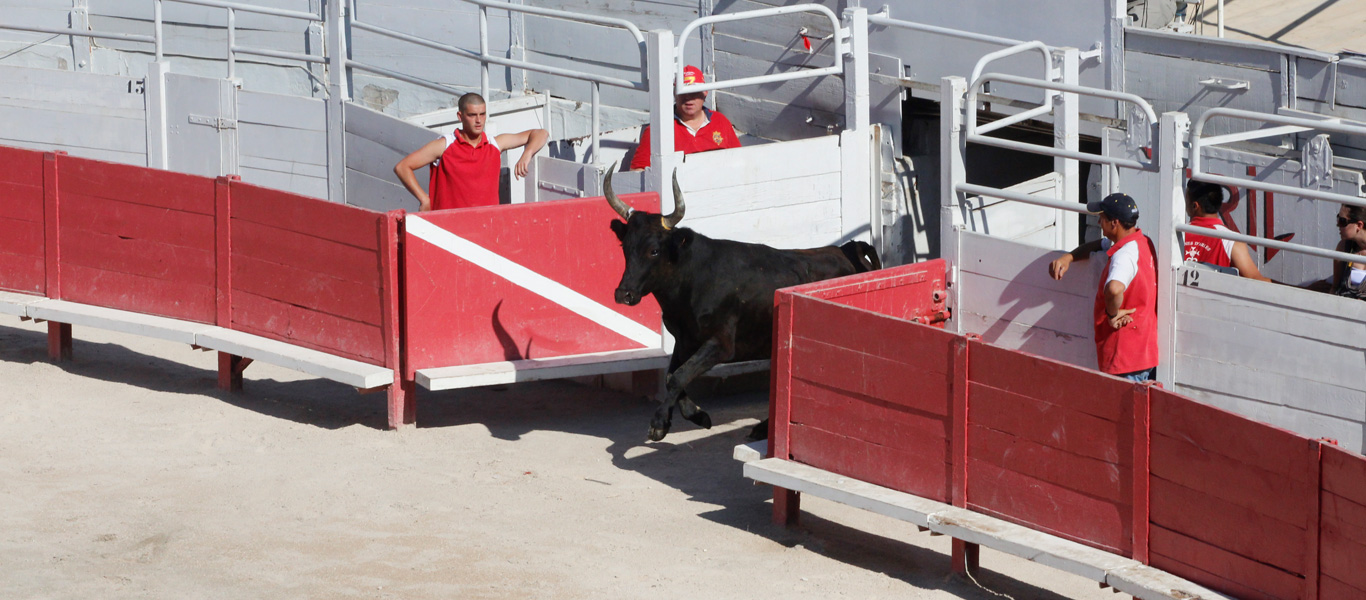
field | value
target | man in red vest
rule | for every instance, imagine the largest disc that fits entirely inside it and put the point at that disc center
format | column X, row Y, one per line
column 1125, row 313
column 696, row 129
column 1203, row 201
column 465, row 163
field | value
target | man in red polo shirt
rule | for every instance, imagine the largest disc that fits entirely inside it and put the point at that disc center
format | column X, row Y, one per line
column 1125, row 312
column 466, row 162
column 696, row 129
column 1202, row 206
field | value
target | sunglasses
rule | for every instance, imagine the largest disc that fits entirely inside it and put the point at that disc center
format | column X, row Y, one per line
column 1343, row 222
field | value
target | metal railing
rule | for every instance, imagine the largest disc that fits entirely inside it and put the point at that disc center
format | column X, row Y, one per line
column 156, row 39
column 884, row 18
column 837, row 68
column 1286, row 124
column 975, row 135
column 485, row 59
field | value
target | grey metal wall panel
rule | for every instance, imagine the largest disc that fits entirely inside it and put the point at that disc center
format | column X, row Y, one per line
column 1314, row 79
column 374, row 144
column 1277, row 354
column 1351, row 90
column 93, row 116
column 590, row 48
column 1173, row 84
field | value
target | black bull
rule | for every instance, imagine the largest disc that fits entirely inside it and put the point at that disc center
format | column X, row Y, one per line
column 716, row 295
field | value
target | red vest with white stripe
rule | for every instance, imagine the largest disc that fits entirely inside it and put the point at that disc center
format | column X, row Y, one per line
column 1133, row 347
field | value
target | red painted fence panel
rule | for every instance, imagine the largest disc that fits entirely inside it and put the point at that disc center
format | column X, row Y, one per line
column 862, row 393
column 136, row 239
column 461, row 313
column 1343, row 525
column 1049, row 446
column 1232, row 499
column 307, row 272
column 22, row 249
column 1235, row 505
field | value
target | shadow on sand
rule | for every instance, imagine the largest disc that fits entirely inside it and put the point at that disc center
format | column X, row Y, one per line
column 701, row 467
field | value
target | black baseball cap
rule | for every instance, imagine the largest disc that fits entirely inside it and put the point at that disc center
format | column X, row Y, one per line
column 1116, row 206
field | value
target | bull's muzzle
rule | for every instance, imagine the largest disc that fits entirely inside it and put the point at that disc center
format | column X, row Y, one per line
column 627, row 297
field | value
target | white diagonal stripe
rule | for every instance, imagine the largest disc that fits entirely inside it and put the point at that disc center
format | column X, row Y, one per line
column 534, row 282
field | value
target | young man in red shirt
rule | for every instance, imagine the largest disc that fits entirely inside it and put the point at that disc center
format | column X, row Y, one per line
column 1202, row 206
column 696, row 129
column 466, row 162
column 1125, row 313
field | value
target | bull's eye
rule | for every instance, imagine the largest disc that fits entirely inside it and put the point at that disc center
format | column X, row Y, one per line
column 654, row 252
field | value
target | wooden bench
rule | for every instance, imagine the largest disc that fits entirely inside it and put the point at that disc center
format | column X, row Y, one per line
column 1123, row 574
column 351, row 372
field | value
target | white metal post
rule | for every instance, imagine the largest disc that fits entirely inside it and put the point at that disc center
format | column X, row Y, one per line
column 337, row 94
column 663, row 159
column 856, row 142
column 232, row 41
column 1175, row 127
column 484, row 51
column 952, row 171
column 155, row 97
column 1066, row 126
column 156, row 28
column 597, row 120
column 80, row 45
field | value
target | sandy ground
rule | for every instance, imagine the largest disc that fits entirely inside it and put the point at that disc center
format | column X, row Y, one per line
column 125, row 474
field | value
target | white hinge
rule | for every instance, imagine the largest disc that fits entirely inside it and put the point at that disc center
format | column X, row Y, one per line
column 564, row 189
column 214, row 122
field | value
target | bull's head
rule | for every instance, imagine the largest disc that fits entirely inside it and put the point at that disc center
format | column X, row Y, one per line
column 651, row 244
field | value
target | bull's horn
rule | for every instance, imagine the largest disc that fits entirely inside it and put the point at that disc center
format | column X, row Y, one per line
column 617, row 204
column 677, row 215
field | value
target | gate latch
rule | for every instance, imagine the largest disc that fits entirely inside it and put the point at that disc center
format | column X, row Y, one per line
column 214, row 122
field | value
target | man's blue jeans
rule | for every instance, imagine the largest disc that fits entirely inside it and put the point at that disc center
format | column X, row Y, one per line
column 1141, row 376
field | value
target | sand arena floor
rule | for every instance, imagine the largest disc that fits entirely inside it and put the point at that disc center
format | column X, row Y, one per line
column 125, row 474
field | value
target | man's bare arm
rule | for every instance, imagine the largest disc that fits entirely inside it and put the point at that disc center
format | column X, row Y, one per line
column 424, row 156
column 1058, row 267
column 1242, row 260
column 533, row 139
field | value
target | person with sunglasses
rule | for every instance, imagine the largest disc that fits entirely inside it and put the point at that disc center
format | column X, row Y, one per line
column 1349, row 279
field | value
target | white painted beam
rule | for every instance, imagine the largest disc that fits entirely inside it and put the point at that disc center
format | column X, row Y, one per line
column 535, row 369
column 350, row 372
column 85, row 315
column 16, row 304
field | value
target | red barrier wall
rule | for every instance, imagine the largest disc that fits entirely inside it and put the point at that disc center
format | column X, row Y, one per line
column 1235, row 505
column 136, row 239
column 300, row 270
column 1049, row 447
column 22, row 249
column 1342, row 523
column 308, row 272
column 881, row 413
column 459, row 313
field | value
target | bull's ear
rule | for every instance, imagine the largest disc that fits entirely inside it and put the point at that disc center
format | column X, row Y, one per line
column 619, row 228
column 680, row 240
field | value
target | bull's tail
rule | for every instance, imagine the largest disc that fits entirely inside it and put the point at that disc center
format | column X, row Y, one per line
column 862, row 255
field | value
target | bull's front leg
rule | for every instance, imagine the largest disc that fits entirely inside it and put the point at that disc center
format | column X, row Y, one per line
column 715, row 351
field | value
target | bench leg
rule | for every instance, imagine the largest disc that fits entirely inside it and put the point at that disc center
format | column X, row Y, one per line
column 965, row 556
column 230, row 371
column 402, row 403
column 59, row 341
column 787, row 506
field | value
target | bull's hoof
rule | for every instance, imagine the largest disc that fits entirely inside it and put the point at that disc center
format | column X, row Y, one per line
column 701, row 419
column 658, row 433
column 758, row 432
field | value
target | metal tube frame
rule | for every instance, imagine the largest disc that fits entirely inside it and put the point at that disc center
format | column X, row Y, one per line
column 975, row 135
column 884, row 19
column 840, row 45
column 1198, row 143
